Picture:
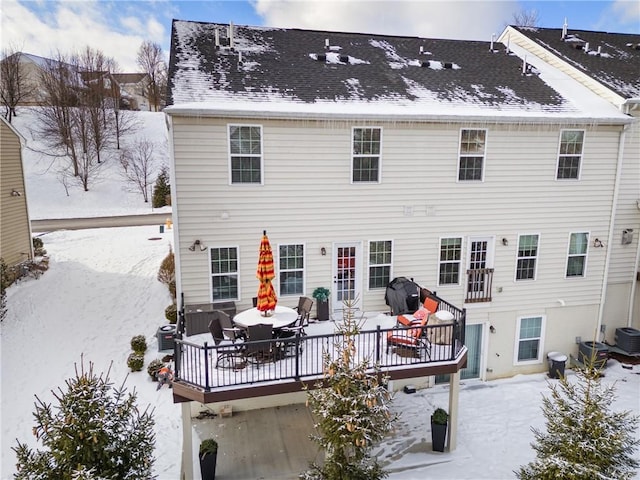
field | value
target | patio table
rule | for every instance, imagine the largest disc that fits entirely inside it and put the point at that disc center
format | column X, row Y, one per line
column 280, row 318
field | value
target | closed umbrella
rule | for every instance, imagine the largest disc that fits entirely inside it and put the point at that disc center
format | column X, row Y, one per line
column 266, row 294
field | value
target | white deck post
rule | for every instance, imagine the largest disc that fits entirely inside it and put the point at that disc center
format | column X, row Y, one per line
column 454, row 391
column 187, row 442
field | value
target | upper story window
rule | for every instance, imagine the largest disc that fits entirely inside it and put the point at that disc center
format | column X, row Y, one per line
column 450, row 260
column 570, row 154
column 527, row 257
column 577, row 256
column 529, row 346
column 366, row 154
column 224, row 273
column 245, row 151
column 380, row 263
column 472, row 153
column 291, row 262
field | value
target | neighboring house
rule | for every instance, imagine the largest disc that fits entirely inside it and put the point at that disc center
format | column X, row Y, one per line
column 133, row 90
column 15, row 228
column 608, row 64
column 488, row 179
column 31, row 66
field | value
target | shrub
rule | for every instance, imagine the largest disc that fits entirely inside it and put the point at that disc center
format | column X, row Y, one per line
column 167, row 273
column 38, row 247
column 139, row 344
column 440, row 416
column 171, row 313
column 208, row 447
column 154, row 367
column 135, row 361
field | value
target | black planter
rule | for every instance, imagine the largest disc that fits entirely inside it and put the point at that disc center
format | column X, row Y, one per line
column 438, row 436
column 208, row 466
column 322, row 310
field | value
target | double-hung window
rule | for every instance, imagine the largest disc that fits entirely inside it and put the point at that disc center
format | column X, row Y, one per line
column 570, row 154
column 245, row 151
column 472, row 154
column 366, row 154
column 450, row 260
column 527, row 257
column 224, row 273
column 529, row 341
column 291, row 262
column 577, row 256
column 380, row 263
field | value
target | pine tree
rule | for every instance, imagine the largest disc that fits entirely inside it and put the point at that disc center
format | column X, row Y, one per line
column 161, row 189
column 95, row 432
column 352, row 410
column 584, row 439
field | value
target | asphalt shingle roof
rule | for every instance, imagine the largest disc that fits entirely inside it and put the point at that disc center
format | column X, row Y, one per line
column 613, row 59
column 296, row 65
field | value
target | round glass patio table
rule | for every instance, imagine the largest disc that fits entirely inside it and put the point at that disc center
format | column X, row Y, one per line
column 281, row 317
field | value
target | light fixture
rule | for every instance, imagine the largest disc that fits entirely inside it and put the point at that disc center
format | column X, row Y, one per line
column 597, row 243
column 492, row 329
column 627, row 236
column 323, row 251
column 16, row 193
column 505, row 242
column 197, row 243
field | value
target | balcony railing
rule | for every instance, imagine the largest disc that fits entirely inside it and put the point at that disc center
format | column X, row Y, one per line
column 479, row 283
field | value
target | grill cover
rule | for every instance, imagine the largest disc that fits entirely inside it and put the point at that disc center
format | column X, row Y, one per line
column 402, row 295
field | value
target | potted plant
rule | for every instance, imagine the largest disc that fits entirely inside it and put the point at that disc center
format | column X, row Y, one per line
column 439, row 420
column 208, row 455
column 321, row 295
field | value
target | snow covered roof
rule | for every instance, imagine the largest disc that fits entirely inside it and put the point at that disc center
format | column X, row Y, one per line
column 259, row 70
column 613, row 59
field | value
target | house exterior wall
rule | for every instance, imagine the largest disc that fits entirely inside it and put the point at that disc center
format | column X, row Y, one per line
column 15, row 230
column 307, row 197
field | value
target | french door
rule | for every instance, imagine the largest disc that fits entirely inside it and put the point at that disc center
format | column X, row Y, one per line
column 347, row 274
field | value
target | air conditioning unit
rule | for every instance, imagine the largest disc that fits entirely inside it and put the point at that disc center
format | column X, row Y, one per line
column 628, row 339
column 165, row 336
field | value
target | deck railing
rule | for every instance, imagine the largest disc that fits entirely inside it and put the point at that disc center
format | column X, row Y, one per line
column 479, row 284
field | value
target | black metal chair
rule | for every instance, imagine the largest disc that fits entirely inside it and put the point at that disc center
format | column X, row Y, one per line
column 229, row 346
column 260, row 346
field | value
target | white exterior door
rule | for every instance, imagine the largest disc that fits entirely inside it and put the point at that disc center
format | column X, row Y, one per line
column 347, row 274
column 480, row 258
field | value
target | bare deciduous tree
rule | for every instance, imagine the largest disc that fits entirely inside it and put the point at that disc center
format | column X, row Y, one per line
column 14, row 82
column 138, row 165
column 151, row 61
column 526, row 18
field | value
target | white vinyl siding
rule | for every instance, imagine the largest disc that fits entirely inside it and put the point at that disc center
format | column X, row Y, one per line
column 291, row 269
column 577, row 254
column 380, row 261
column 529, row 340
column 527, row 261
column 570, row 154
column 245, row 154
column 472, row 155
column 366, row 155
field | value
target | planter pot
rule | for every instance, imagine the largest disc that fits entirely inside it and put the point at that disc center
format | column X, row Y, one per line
column 322, row 310
column 438, row 436
column 208, row 466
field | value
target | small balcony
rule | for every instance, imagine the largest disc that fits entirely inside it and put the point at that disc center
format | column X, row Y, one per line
column 479, row 285
column 299, row 361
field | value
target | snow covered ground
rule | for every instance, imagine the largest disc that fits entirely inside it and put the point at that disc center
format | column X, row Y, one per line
column 101, row 290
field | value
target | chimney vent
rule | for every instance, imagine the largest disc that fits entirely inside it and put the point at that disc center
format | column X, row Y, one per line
column 425, row 64
column 447, row 64
column 344, row 58
column 322, row 57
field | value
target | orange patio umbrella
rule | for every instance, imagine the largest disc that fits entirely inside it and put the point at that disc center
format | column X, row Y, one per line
column 266, row 294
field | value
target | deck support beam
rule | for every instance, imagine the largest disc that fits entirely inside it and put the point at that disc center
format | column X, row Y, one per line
column 187, row 443
column 454, row 393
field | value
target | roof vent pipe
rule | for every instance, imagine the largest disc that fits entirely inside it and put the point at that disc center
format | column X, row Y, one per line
column 421, row 50
column 586, row 47
column 493, row 36
column 599, row 49
column 326, row 43
column 231, row 35
column 564, row 29
column 217, row 38
column 507, row 51
column 239, row 58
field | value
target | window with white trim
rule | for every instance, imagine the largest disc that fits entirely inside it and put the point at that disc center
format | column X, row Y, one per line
column 529, row 341
column 224, row 273
column 366, row 154
column 380, row 258
column 527, row 260
column 245, row 150
column 291, row 268
column 450, row 261
column 570, row 154
column 577, row 255
column 472, row 154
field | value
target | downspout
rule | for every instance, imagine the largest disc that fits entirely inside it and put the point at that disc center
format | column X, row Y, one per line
column 614, row 207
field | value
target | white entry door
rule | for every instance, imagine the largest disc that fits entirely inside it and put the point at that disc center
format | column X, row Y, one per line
column 347, row 274
column 479, row 261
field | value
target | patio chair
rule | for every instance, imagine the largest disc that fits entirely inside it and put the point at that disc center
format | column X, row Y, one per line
column 231, row 350
column 304, row 304
column 260, row 347
column 412, row 338
column 304, row 311
column 230, row 331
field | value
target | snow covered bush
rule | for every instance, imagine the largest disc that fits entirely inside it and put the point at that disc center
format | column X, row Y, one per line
column 94, row 432
column 135, row 361
column 584, row 439
column 139, row 344
column 154, row 367
column 171, row 313
column 167, row 273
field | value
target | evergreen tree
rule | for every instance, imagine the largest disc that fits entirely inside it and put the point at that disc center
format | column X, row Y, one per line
column 95, row 432
column 584, row 439
column 352, row 410
column 161, row 188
